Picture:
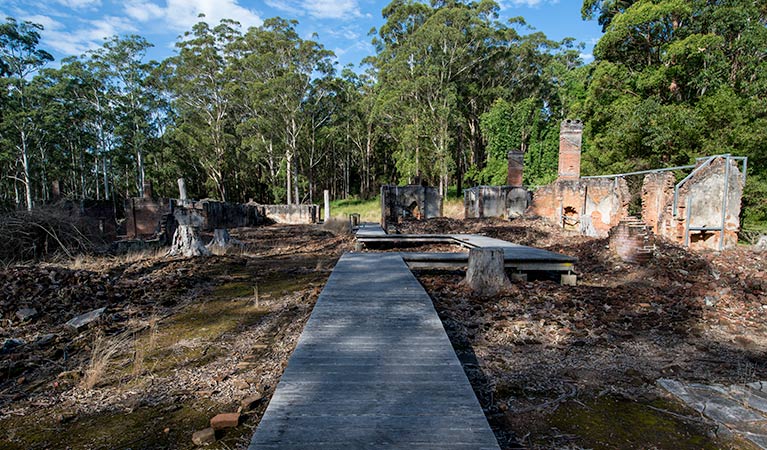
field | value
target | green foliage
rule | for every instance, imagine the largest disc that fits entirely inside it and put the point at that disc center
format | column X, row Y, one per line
column 261, row 113
column 675, row 80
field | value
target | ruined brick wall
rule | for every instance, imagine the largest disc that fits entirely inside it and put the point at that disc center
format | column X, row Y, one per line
column 229, row 215
column 96, row 218
column 657, row 194
column 145, row 216
column 570, row 139
column 516, row 164
column 150, row 218
column 495, row 201
column 591, row 206
column 702, row 198
column 632, row 241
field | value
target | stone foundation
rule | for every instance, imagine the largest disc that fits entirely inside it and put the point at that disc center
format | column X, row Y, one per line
column 495, row 201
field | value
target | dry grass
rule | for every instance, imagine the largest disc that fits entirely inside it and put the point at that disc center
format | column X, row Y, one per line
column 453, row 208
column 141, row 349
column 104, row 350
column 91, row 262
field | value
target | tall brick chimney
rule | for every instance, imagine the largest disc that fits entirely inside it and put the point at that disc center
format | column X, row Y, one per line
column 516, row 164
column 147, row 191
column 570, row 138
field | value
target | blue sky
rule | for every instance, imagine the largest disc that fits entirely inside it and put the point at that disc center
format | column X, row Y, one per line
column 75, row 26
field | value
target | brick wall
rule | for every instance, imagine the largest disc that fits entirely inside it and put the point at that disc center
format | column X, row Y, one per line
column 145, row 216
column 704, row 196
column 657, row 194
column 570, row 138
column 495, row 201
column 516, row 161
column 632, row 240
column 591, row 206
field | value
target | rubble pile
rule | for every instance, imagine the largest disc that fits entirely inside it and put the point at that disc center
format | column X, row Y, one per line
column 692, row 316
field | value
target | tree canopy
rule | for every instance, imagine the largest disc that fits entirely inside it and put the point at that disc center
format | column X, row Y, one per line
column 263, row 113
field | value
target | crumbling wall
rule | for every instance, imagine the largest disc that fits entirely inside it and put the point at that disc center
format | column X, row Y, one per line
column 516, row 165
column 145, row 218
column 96, row 217
column 229, row 215
column 657, row 195
column 703, row 198
column 411, row 201
column 632, row 240
column 591, row 206
column 292, row 214
column 152, row 218
column 495, row 201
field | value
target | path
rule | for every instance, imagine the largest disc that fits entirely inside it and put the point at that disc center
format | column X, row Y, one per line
column 373, row 369
column 520, row 258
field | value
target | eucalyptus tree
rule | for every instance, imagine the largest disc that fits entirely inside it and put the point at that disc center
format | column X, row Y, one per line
column 199, row 86
column 20, row 58
column 124, row 76
column 278, row 69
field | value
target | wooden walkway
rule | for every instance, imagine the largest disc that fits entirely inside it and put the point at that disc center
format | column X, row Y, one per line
column 516, row 257
column 373, row 369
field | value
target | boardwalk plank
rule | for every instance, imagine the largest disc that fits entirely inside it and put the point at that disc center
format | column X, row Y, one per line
column 373, row 369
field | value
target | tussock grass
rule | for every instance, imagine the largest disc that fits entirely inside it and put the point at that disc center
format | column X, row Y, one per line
column 104, row 350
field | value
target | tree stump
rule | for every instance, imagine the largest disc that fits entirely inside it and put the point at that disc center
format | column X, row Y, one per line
column 486, row 275
column 222, row 240
column 186, row 239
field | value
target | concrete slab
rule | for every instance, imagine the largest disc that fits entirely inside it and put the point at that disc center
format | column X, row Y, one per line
column 738, row 408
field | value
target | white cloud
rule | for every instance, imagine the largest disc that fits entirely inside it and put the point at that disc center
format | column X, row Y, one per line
column 77, row 4
column 529, row 3
column 347, row 32
column 88, row 36
column 319, row 9
column 47, row 22
column 182, row 14
column 587, row 57
column 291, row 7
column 143, row 11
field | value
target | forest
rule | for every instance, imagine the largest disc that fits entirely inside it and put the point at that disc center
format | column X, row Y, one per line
column 263, row 114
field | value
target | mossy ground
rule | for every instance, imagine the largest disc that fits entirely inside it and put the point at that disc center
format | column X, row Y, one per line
column 196, row 337
column 615, row 423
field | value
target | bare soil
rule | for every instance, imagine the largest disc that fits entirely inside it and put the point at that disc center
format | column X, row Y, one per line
column 181, row 340
column 553, row 366
column 575, row 367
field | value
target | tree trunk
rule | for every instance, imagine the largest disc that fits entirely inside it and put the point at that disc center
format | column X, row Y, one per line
column 186, row 239
column 485, row 275
column 25, row 167
column 222, row 240
column 187, row 243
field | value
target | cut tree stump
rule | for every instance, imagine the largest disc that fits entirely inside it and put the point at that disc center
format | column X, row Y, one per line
column 222, row 240
column 186, row 239
column 486, row 275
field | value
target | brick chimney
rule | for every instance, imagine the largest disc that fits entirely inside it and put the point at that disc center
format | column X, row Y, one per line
column 570, row 137
column 516, row 164
column 147, row 191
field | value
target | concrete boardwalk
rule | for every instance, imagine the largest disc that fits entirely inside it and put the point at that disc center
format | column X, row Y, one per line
column 373, row 369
